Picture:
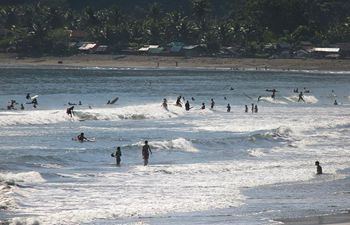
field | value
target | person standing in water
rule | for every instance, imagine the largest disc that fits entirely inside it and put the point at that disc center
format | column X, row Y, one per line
column 212, row 104
column 301, row 97
column 203, row 106
column 187, row 105
column 165, row 104
column 318, row 168
column 246, row 109
column 145, row 153
column 117, row 155
column 256, row 109
column 178, row 101
column 228, row 108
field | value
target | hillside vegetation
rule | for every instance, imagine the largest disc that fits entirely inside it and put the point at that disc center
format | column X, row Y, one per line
column 37, row 27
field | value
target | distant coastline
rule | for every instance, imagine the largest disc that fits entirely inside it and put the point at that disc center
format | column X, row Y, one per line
column 138, row 61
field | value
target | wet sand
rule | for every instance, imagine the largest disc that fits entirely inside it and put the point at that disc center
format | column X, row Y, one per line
column 134, row 61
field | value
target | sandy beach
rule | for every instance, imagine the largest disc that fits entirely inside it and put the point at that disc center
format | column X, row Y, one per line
column 134, row 61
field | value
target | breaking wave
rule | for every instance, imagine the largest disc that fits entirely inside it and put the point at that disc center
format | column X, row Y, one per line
column 150, row 111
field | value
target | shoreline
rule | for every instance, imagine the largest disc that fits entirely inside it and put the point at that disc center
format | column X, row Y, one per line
column 91, row 61
column 335, row 219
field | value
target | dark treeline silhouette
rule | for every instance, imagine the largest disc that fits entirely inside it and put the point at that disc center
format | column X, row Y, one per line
column 37, row 27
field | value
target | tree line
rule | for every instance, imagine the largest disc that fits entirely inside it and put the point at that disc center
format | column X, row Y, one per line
column 40, row 27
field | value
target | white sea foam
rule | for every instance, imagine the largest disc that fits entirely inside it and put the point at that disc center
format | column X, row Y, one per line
column 25, row 177
column 179, row 144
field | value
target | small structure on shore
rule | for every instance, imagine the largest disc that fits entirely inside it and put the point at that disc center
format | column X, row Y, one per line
column 151, row 49
column 325, row 52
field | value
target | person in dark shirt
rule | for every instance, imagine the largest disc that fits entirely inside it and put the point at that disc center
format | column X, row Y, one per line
column 178, row 101
column 70, row 111
column 117, row 155
column 165, row 104
column 318, row 167
column 203, row 106
column 301, row 97
column 212, row 104
column 228, row 108
column 81, row 137
column 145, row 153
column 187, row 106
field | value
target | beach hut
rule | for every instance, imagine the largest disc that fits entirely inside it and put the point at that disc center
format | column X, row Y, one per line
column 151, row 49
column 325, row 52
column 88, row 47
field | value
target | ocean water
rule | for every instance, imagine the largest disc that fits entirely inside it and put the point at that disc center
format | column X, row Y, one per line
column 207, row 167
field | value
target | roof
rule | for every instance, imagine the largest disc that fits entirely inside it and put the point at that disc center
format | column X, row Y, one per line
column 147, row 47
column 88, row 46
column 190, row 47
column 325, row 49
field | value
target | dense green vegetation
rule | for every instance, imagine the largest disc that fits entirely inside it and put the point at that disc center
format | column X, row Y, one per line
column 37, row 27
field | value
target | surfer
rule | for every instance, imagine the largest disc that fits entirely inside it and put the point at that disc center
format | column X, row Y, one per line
column 187, row 106
column 193, row 99
column 212, row 104
column 70, row 111
column 165, row 104
column 69, row 103
column 301, row 97
column 256, row 108
column 35, row 102
column 145, row 153
column 273, row 92
column 231, row 89
column 335, row 102
column 318, row 168
column 259, row 98
column 246, row 109
column 22, row 107
column 178, row 101
column 117, row 155
column 228, row 108
column 252, row 108
column 203, row 106
column 28, row 96
column 81, row 137
column 112, row 101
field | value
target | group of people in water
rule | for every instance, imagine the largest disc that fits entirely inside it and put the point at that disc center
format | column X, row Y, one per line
column 212, row 105
column 32, row 100
column 146, row 151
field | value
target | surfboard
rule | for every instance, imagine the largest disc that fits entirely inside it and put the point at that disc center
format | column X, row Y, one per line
column 114, row 100
column 87, row 140
column 34, row 97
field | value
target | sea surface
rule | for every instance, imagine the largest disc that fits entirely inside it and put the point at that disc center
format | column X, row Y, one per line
column 207, row 167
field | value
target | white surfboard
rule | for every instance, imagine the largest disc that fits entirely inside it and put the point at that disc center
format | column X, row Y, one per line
column 34, row 97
